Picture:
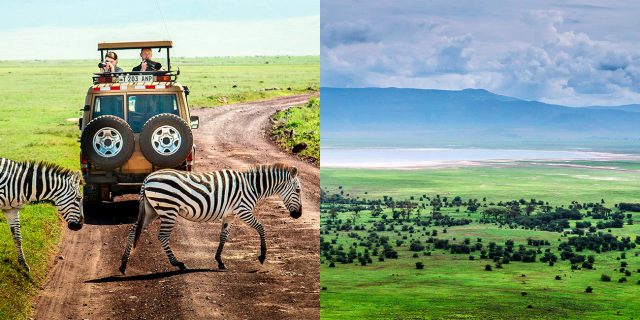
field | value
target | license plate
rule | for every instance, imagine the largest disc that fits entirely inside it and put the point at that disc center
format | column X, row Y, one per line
column 135, row 78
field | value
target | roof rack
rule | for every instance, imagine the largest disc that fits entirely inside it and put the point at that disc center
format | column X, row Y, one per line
column 106, row 46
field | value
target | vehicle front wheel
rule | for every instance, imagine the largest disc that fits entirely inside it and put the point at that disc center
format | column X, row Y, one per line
column 92, row 196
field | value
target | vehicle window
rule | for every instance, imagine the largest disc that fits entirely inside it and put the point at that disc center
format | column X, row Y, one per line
column 109, row 105
column 144, row 106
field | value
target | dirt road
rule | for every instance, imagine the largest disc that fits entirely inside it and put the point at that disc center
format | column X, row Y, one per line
column 84, row 282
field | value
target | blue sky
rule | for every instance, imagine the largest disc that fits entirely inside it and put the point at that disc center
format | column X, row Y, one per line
column 567, row 52
column 71, row 29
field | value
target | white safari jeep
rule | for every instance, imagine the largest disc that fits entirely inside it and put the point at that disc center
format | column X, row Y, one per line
column 133, row 123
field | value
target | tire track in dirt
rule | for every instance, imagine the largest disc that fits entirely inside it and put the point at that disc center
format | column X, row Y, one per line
column 87, row 285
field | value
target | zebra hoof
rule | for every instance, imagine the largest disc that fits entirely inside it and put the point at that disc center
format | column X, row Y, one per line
column 123, row 268
column 25, row 266
column 182, row 266
column 222, row 267
column 261, row 258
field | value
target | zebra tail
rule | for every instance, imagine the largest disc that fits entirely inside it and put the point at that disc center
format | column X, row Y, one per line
column 141, row 214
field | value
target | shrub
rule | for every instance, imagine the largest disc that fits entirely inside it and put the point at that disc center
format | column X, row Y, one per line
column 419, row 265
column 621, row 280
column 605, row 278
column 487, row 267
column 416, row 246
column 589, row 289
column 558, row 278
column 332, row 264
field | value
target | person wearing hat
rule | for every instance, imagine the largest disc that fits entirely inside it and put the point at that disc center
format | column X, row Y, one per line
column 110, row 63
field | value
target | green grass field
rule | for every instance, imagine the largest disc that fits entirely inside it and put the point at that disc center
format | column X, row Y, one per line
column 453, row 287
column 300, row 125
column 554, row 184
column 38, row 98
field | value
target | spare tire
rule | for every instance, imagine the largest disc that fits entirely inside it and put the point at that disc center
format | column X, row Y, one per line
column 166, row 140
column 107, row 141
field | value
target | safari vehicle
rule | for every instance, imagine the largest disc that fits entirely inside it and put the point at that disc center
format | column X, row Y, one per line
column 133, row 123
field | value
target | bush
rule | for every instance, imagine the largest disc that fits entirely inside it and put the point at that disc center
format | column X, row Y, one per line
column 605, row 278
column 487, row 267
column 558, row 278
column 589, row 289
column 416, row 246
column 621, row 280
column 332, row 264
column 419, row 265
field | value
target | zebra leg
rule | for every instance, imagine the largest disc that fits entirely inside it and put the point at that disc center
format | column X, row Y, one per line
column 167, row 222
column 227, row 222
column 250, row 219
column 149, row 216
column 13, row 220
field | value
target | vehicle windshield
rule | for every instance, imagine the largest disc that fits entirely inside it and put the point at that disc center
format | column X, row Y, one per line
column 109, row 105
column 141, row 107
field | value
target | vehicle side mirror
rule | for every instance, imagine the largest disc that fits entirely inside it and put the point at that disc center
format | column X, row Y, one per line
column 195, row 122
column 80, row 123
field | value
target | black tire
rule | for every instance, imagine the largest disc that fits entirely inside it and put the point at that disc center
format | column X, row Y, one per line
column 96, row 129
column 92, row 197
column 175, row 151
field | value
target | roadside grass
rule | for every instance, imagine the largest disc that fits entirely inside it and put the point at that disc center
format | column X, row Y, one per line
column 39, row 96
column 300, row 125
column 41, row 232
column 225, row 80
column 451, row 286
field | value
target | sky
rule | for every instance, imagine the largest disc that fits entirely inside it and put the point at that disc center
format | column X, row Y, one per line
column 574, row 53
column 39, row 29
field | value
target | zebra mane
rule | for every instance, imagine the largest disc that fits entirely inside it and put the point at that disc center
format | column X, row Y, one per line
column 53, row 167
column 276, row 166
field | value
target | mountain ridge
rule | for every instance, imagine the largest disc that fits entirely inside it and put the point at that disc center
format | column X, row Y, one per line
column 468, row 113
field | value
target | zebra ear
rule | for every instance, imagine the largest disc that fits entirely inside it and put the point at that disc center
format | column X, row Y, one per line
column 79, row 177
column 293, row 171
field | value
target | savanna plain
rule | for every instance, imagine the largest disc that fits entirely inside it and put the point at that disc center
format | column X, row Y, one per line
column 511, row 241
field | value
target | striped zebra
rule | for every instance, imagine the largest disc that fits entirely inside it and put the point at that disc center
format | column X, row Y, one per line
column 224, row 194
column 24, row 182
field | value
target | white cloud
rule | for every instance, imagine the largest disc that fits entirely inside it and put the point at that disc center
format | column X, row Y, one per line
column 573, row 53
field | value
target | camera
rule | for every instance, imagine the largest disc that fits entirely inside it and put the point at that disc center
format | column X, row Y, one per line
column 152, row 65
column 102, row 64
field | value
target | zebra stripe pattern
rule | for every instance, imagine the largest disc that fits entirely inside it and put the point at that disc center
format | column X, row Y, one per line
column 225, row 195
column 25, row 182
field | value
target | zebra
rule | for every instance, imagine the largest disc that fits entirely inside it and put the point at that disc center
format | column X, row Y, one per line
column 29, row 181
column 224, row 194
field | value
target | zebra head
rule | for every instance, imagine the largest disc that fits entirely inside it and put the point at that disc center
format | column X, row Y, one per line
column 290, row 194
column 69, row 201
